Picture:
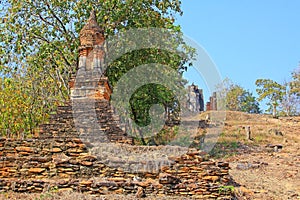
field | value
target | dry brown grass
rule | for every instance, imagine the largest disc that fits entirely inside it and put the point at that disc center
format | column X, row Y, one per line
column 278, row 175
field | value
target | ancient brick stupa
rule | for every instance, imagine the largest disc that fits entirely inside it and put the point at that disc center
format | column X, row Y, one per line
column 89, row 111
column 59, row 159
column 91, row 62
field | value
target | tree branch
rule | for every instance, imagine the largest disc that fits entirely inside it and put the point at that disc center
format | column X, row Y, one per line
column 56, row 48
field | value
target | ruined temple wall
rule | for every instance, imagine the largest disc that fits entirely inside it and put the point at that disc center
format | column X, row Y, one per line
column 85, row 112
column 195, row 99
column 57, row 157
column 213, row 103
column 35, row 165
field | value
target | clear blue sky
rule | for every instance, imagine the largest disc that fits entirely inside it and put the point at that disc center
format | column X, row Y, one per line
column 247, row 40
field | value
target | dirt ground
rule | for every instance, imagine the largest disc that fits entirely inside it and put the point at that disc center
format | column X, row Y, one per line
column 267, row 175
column 261, row 171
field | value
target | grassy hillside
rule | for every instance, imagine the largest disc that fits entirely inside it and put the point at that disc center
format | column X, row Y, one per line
column 260, row 170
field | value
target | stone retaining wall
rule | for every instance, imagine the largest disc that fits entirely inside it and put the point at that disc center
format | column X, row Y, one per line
column 35, row 165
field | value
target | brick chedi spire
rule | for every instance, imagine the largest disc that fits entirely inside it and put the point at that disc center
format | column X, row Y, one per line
column 90, row 72
column 91, row 49
column 91, row 34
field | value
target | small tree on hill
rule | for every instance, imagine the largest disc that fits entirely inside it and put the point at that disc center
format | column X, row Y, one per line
column 294, row 92
column 237, row 98
column 295, row 83
column 271, row 90
column 249, row 103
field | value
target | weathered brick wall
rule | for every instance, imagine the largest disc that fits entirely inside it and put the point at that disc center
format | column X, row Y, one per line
column 212, row 104
column 62, row 123
column 35, row 165
column 58, row 158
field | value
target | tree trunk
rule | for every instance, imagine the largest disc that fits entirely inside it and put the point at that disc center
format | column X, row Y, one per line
column 274, row 110
column 288, row 111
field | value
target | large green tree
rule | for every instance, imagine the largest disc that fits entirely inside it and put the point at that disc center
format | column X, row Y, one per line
column 39, row 42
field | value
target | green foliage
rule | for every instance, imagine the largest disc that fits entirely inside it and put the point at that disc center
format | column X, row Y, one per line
column 150, row 94
column 142, row 100
column 227, row 189
column 249, row 103
column 291, row 98
column 38, row 50
column 295, row 83
column 237, row 98
column 283, row 98
column 163, row 137
column 225, row 149
column 234, row 97
column 271, row 90
column 22, row 106
column 289, row 105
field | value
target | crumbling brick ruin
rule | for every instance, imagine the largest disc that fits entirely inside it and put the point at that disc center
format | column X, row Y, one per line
column 58, row 158
column 33, row 165
column 212, row 104
column 195, row 99
column 90, row 91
